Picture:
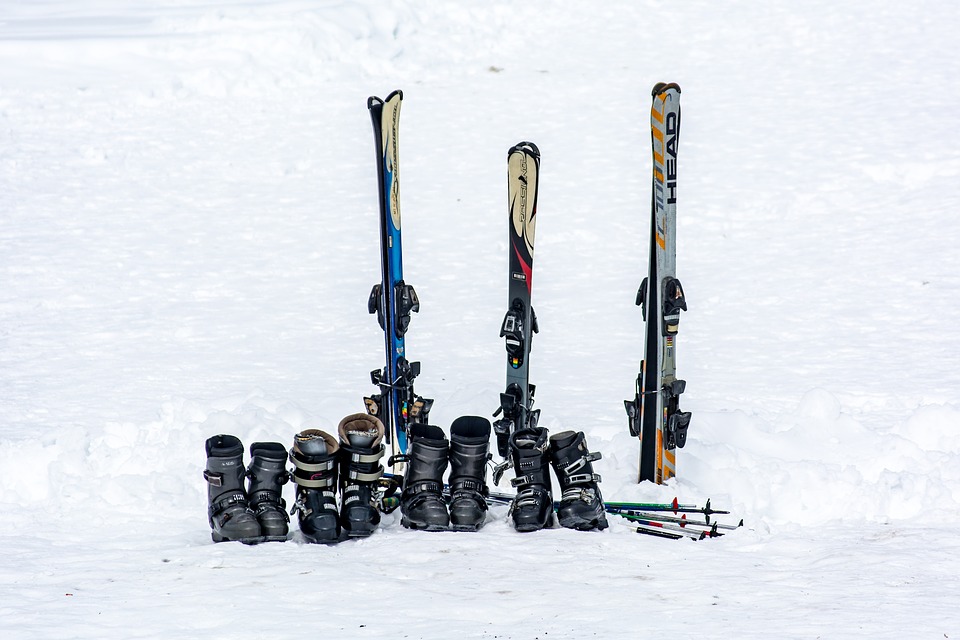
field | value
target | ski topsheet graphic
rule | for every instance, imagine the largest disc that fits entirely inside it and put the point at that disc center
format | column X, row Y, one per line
column 397, row 405
column 654, row 414
column 520, row 322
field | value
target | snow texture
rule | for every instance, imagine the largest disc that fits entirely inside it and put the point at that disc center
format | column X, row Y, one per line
column 188, row 237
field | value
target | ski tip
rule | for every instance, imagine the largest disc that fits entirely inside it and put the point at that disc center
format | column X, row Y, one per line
column 741, row 523
column 525, row 147
column 675, row 504
column 661, row 87
column 374, row 101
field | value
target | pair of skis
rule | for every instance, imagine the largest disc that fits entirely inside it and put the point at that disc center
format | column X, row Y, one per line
column 520, row 322
column 397, row 405
column 654, row 413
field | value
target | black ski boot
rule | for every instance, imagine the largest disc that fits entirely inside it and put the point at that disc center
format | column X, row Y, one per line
column 469, row 452
column 314, row 457
column 266, row 476
column 421, row 502
column 532, row 509
column 361, row 437
column 581, row 505
column 230, row 518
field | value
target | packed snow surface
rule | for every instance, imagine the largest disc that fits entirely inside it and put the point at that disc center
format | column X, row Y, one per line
column 188, row 235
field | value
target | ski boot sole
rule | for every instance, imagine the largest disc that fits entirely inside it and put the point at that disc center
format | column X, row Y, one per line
column 321, row 538
column 583, row 524
column 417, row 526
column 359, row 533
column 251, row 541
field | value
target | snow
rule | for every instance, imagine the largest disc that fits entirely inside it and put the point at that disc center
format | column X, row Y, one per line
column 188, row 238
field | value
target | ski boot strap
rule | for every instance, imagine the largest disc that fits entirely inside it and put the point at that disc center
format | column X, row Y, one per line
column 527, row 481
column 231, row 499
column 499, row 469
column 360, row 456
column 399, row 458
column 260, row 499
column 532, row 495
column 214, row 479
column 568, row 470
column 467, row 486
column 582, row 478
column 364, row 477
column 263, row 501
column 423, row 486
column 317, row 474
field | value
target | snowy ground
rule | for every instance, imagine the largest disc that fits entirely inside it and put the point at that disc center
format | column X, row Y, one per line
column 188, row 237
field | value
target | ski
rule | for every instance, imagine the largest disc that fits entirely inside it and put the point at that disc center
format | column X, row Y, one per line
column 396, row 404
column 706, row 510
column 710, row 532
column 661, row 506
column 654, row 413
column 520, row 322
column 682, row 521
column 671, row 535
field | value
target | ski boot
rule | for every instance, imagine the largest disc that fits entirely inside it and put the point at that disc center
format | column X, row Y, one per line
column 469, row 452
column 314, row 457
column 421, row 501
column 361, row 436
column 532, row 509
column 230, row 518
column 266, row 476
column 581, row 505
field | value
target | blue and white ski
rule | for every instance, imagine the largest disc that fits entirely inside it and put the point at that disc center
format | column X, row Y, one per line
column 397, row 405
